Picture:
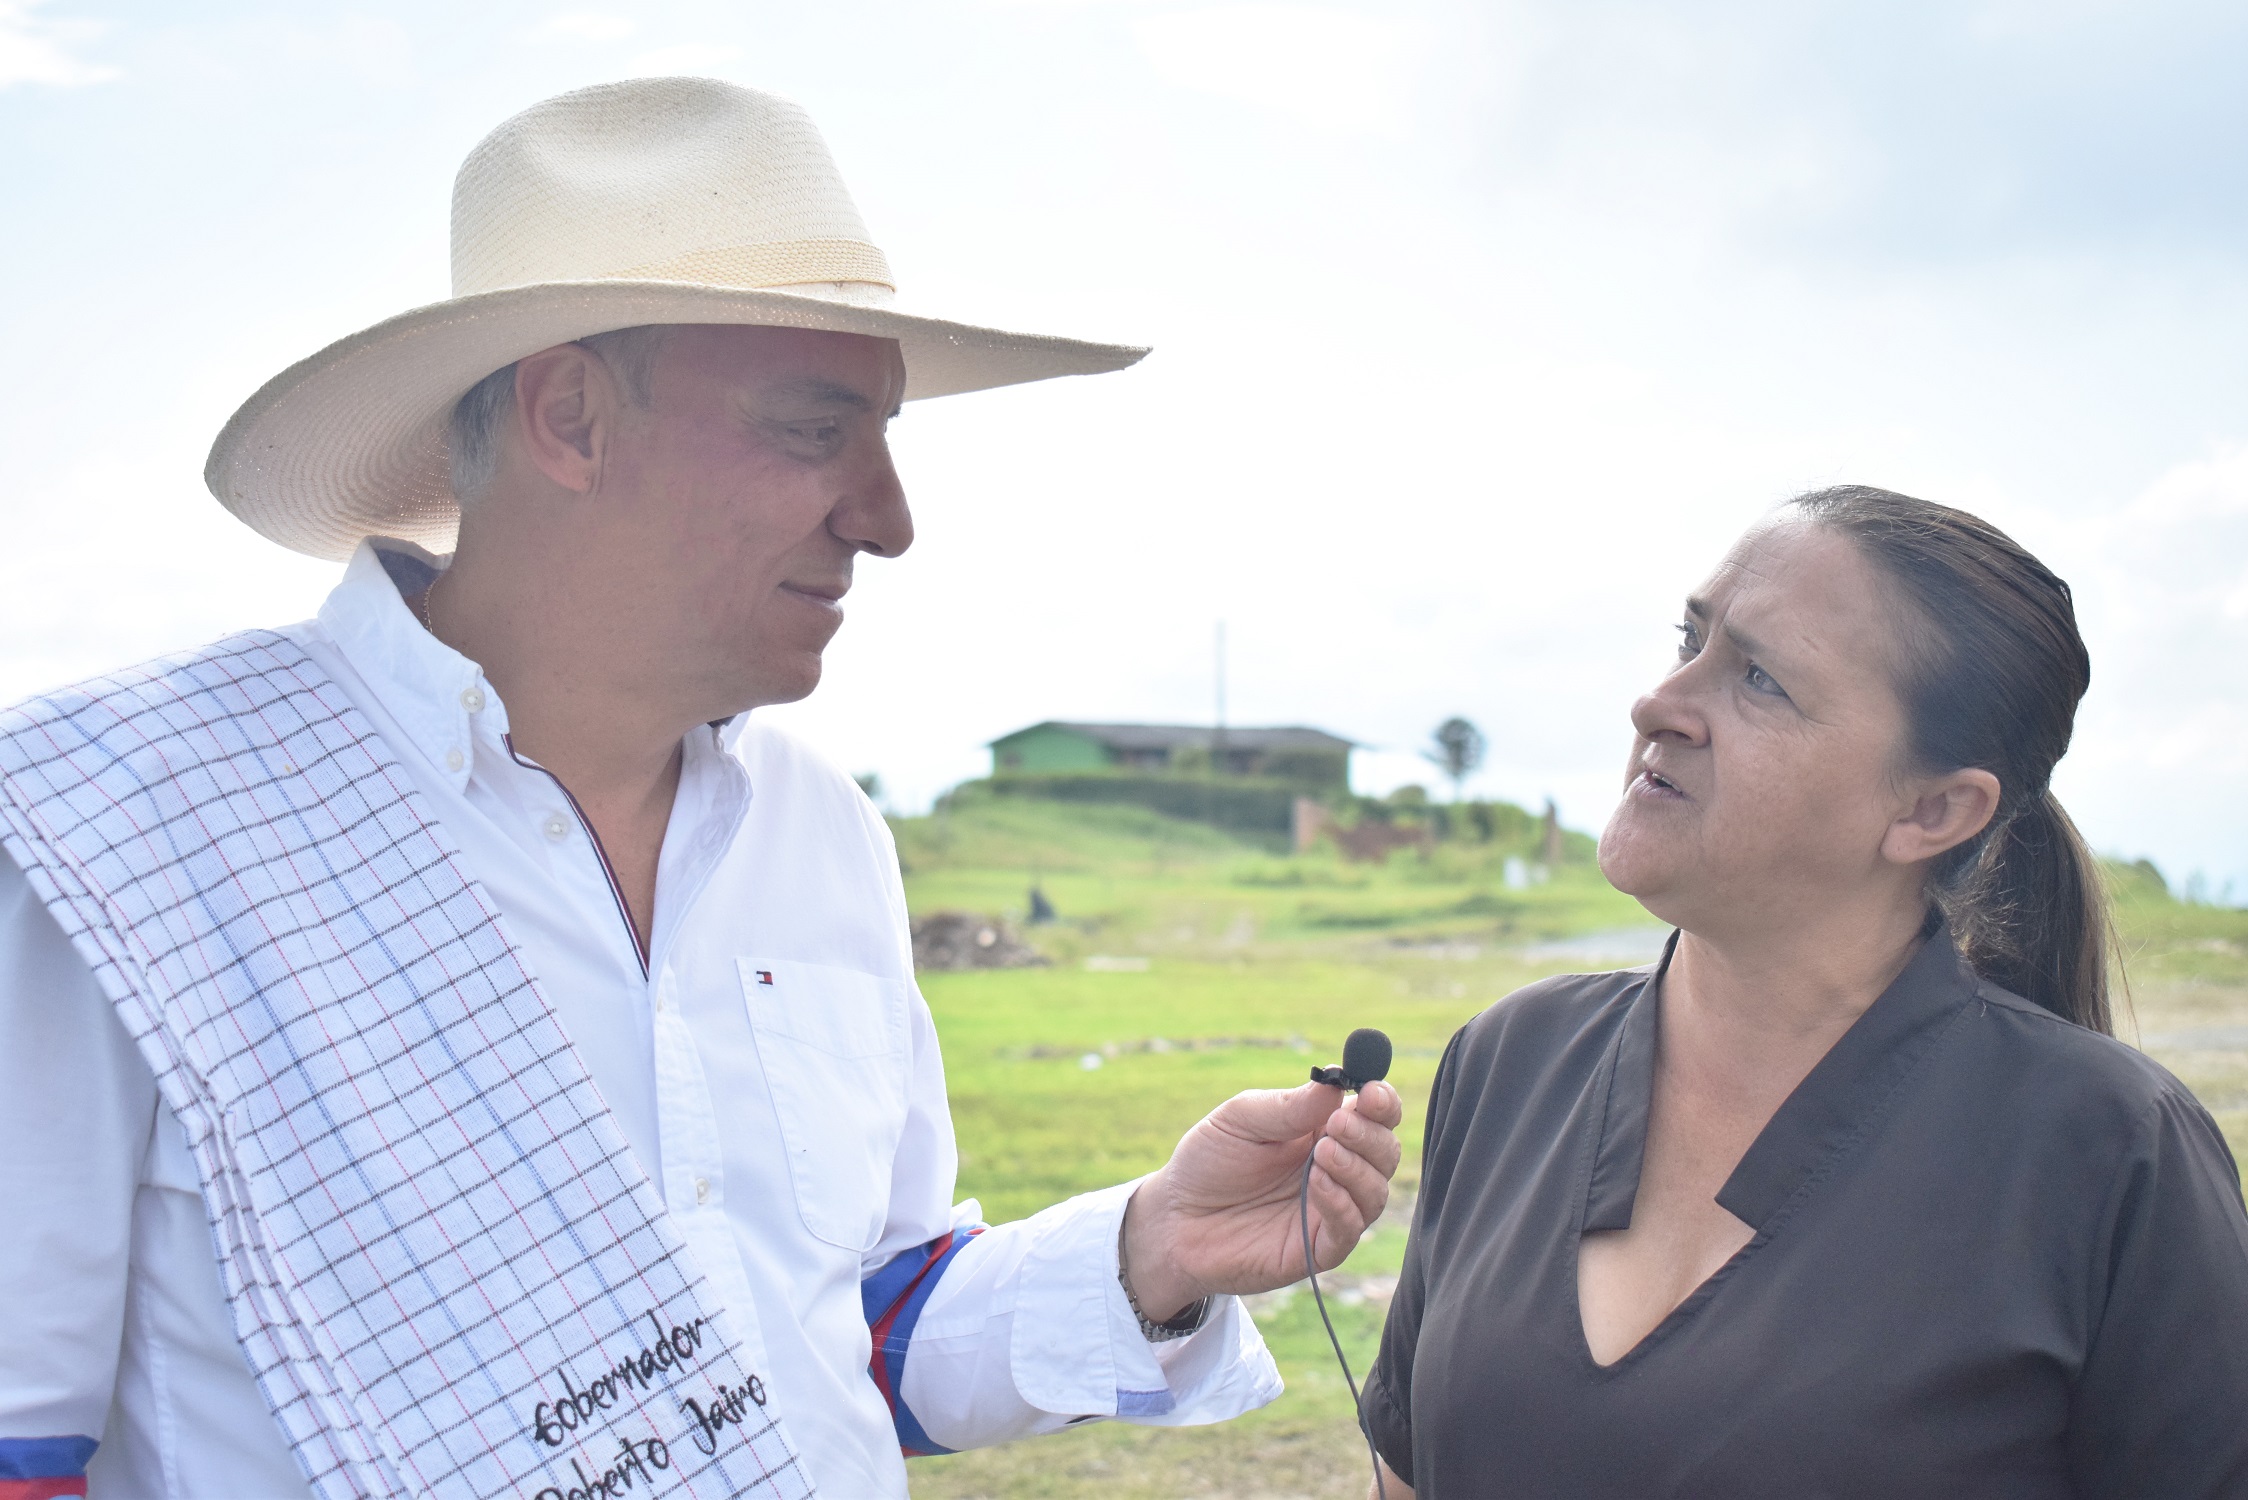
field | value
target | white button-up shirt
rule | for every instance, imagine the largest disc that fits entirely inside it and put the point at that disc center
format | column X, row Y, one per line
column 771, row 1062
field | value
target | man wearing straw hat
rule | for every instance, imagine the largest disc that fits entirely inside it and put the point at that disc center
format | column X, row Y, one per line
column 449, row 1047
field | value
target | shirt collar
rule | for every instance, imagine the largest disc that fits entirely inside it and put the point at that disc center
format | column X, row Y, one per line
column 437, row 697
column 426, row 686
column 1835, row 1106
column 1627, row 1092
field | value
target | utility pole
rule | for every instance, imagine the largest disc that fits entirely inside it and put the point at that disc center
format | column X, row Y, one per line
column 1217, row 741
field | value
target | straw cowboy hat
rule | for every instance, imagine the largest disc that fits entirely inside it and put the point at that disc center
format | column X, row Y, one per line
column 667, row 200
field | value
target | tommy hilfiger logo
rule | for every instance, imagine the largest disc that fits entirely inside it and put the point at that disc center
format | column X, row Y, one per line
column 764, row 976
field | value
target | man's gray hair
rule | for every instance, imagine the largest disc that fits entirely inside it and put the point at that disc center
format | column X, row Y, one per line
column 473, row 438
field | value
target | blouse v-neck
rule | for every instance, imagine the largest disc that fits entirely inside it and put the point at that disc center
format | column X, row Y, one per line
column 1841, row 1098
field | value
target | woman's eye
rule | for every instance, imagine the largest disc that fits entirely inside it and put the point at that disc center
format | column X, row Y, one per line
column 1760, row 681
column 822, row 433
column 1689, row 642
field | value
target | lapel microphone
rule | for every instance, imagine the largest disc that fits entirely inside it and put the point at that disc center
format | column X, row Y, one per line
column 1365, row 1060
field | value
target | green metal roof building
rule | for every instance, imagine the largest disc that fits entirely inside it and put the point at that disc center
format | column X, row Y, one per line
column 1311, row 758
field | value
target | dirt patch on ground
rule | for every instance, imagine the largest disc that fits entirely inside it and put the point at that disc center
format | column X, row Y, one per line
column 963, row 940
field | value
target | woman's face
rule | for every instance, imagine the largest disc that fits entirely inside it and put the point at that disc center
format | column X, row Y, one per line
column 1763, row 776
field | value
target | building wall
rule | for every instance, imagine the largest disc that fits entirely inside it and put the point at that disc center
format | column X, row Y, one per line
column 1326, row 769
column 1046, row 749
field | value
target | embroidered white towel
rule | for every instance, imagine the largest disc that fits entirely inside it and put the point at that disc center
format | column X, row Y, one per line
column 450, row 1275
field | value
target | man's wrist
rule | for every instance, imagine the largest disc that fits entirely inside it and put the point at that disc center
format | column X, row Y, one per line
column 1161, row 1296
column 1188, row 1319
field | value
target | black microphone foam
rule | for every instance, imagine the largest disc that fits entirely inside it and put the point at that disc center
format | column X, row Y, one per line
column 1365, row 1057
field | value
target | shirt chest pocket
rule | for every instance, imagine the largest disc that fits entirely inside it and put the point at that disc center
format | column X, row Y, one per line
column 833, row 1045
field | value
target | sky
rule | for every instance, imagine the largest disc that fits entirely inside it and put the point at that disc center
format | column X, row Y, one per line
column 1480, row 332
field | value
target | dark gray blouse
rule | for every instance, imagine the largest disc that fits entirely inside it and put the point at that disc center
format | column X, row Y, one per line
column 1996, row 1255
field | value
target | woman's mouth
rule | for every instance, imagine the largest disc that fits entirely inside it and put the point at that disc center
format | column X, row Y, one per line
column 1653, row 784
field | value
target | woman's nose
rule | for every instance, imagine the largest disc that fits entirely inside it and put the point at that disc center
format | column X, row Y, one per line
column 1668, row 714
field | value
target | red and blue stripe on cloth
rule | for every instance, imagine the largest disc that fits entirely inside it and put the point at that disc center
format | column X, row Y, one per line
column 43, row 1468
column 893, row 1298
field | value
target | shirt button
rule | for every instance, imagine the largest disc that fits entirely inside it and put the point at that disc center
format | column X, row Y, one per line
column 556, row 828
column 702, row 1190
column 472, row 699
column 454, row 760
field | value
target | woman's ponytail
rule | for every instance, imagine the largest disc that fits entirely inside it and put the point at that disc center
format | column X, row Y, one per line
column 2029, row 912
column 1991, row 670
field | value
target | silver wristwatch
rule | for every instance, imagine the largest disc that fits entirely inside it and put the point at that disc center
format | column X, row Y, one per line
column 1186, row 1320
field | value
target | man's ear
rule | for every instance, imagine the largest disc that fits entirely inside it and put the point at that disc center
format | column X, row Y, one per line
column 565, row 412
column 1946, row 812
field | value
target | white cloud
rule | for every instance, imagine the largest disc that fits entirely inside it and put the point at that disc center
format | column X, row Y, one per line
column 1334, row 69
column 684, row 58
column 586, row 26
column 2171, row 561
column 2162, row 740
column 37, row 51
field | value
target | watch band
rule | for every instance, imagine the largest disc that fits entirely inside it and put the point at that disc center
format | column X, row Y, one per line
column 1186, row 1320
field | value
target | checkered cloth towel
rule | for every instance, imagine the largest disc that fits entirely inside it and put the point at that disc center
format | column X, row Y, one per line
column 449, row 1274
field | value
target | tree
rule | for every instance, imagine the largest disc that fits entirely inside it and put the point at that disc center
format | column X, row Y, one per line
column 1459, row 750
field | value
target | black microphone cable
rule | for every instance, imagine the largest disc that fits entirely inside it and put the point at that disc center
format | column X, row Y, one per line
column 1362, row 1051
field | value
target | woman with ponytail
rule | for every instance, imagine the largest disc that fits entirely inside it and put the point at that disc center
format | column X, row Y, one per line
column 1853, row 1194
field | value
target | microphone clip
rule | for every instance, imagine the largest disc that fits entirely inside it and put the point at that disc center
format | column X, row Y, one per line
column 1333, row 1077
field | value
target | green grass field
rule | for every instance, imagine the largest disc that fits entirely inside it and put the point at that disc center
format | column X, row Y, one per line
column 1256, row 964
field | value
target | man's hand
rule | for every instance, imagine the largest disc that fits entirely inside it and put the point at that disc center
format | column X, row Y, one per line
column 1221, row 1215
